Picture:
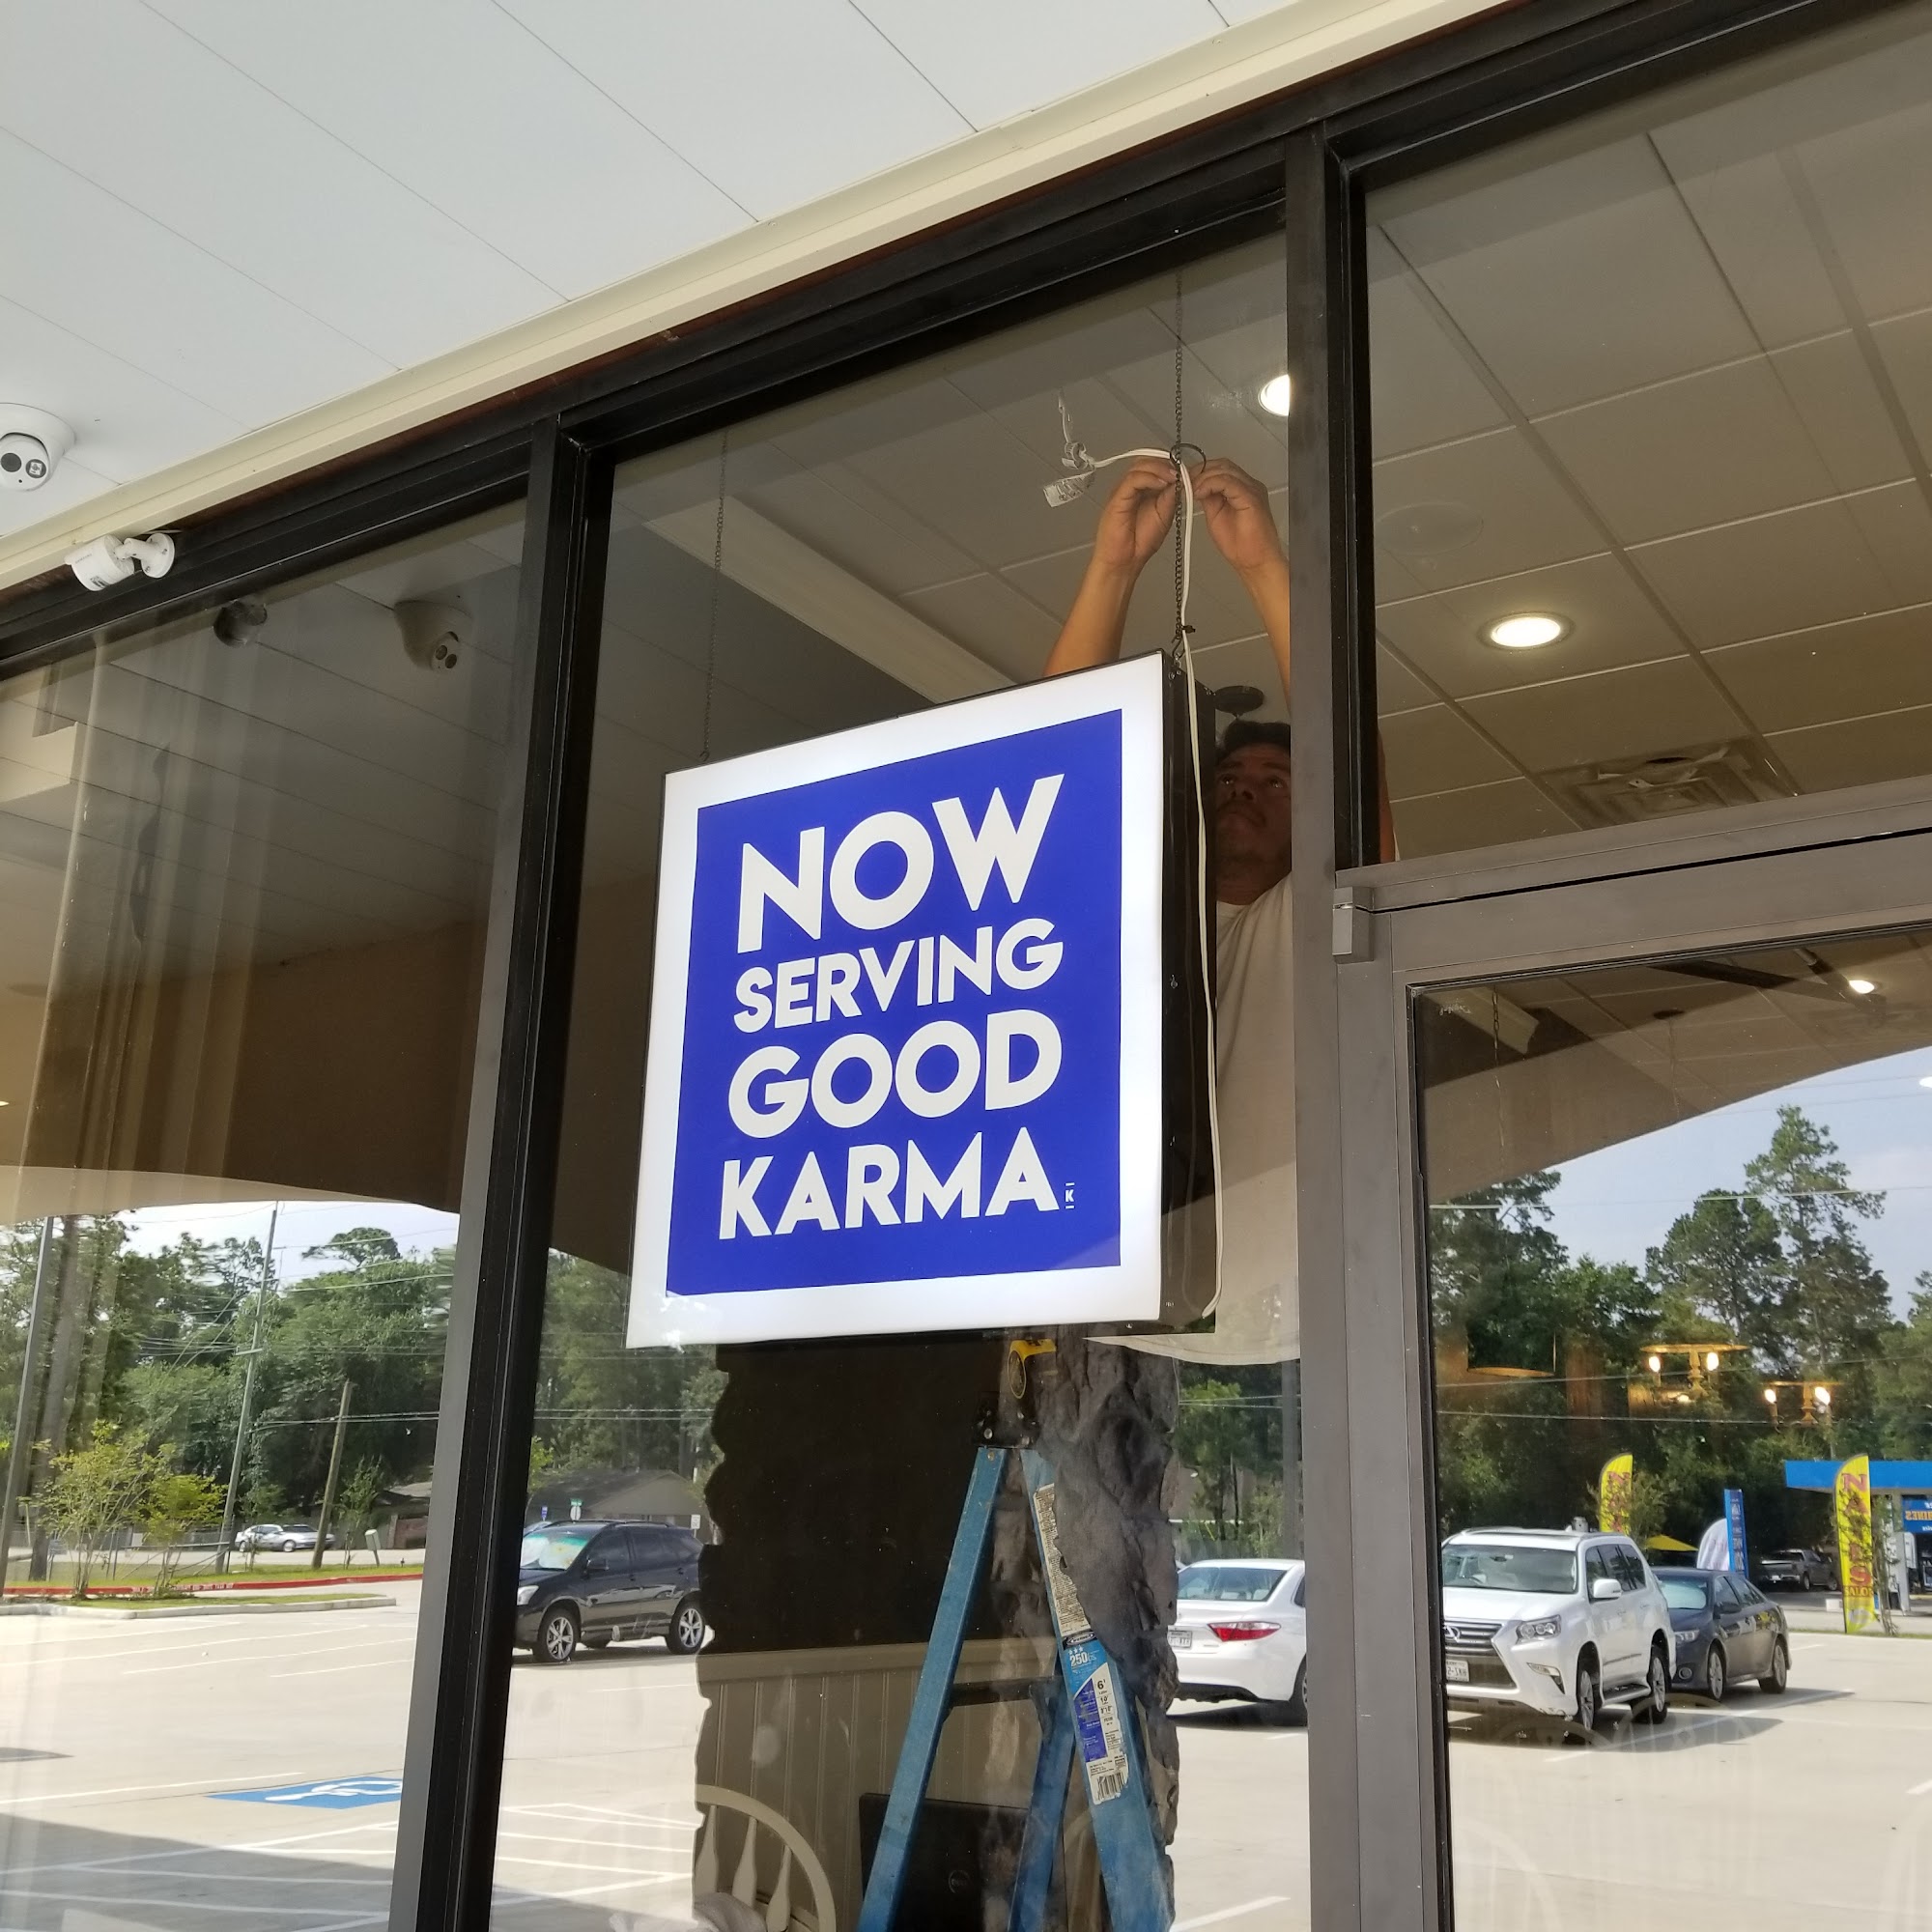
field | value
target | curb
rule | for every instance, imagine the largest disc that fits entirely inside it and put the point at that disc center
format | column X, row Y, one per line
column 119, row 1612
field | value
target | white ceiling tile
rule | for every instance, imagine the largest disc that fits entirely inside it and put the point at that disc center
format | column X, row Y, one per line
column 775, row 101
column 1434, row 750
column 125, row 421
column 467, row 109
column 1422, row 388
column 1490, row 814
column 1702, row 449
column 1523, row 517
column 251, row 181
column 1642, row 712
column 1003, row 57
column 139, row 291
column 1578, row 279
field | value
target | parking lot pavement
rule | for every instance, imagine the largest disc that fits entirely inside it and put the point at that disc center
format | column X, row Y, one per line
column 118, row 1742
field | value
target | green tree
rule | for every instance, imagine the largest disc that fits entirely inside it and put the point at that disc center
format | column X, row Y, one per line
column 1835, row 1304
column 1723, row 1262
column 176, row 1505
column 92, row 1493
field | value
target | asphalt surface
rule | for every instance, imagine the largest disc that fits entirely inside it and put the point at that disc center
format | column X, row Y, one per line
column 1811, row 1810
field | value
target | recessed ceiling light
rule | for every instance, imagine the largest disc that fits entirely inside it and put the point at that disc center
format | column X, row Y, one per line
column 1862, row 986
column 1526, row 631
column 1926, row 1081
column 1276, row 395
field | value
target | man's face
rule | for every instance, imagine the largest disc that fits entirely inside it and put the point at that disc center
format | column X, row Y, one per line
column 1252, row 816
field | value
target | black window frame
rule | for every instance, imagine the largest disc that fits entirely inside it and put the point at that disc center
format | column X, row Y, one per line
column 1380, row 1833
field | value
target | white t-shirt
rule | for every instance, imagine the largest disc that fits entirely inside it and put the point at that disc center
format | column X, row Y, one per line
column 1259, row 1316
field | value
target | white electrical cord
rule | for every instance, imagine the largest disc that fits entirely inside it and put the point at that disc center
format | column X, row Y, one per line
column 1087, row 467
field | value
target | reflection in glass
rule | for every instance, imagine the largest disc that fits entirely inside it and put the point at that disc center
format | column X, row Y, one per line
column 1650, row 437
column 244, row 866
column 1680, row 1270
column 850, row 561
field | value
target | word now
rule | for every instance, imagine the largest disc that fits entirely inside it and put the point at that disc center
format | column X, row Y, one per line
column 997, row 844
column 872, row 1177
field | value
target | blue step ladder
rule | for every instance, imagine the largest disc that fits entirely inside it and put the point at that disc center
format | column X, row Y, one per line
column 1084, row 1711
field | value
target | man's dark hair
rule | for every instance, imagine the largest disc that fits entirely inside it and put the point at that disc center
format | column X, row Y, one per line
column 1254, row 731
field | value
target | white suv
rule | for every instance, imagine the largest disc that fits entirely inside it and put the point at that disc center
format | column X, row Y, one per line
column 1556, row 1622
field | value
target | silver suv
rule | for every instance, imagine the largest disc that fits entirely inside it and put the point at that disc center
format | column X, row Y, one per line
column 1557, row 1622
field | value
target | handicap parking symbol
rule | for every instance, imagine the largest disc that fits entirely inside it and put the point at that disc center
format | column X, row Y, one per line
column 329, row 1794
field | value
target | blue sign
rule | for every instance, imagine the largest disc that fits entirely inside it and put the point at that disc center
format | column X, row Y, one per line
column 905, row 1042
column 328, row 1794
column 1734, row 1523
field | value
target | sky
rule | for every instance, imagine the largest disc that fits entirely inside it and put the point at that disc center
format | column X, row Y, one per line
column 299, row 1225
column 1615, row 1204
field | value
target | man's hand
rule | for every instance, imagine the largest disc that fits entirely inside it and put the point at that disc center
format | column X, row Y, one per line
column 1236, row 510
column 1135, row 520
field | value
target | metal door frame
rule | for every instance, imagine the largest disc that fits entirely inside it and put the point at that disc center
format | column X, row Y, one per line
column 1791, row 887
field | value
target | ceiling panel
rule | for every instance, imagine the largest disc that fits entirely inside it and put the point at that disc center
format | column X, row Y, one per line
column 991, row 618
column 1702, row 449
column 1614, row 714
column 1605, row 228
column 1783, row 572
column 1862, row 750
column 1524, row 518
column 1835, row 671
column 774, row 101
column 146, row 294
column 1453, row 821
column 1425, row 390
column 977, row 72
column 1831, row 385
column 635, row 200
column 1434, row 750
column 1614, row 623
column 421, row 279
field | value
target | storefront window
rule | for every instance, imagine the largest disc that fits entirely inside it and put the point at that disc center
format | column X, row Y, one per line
column 1652, row 526
column 246, row 860
column 776, row 1517
column 1676, row 1261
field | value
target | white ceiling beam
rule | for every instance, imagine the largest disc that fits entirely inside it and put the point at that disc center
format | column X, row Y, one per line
column 804, row 584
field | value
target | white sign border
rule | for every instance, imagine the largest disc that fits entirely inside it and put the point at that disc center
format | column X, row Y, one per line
column 1127, row 1290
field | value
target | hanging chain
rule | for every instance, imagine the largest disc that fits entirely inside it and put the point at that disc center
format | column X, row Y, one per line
column 1180, row 496
column 711, row 623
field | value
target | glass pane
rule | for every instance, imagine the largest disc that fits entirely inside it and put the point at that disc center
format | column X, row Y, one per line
column 1677, row 1258
column 849, row 561
column 244, row 860
column 1650, row 430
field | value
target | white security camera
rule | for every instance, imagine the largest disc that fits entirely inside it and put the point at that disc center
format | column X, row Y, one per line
column 108, row 560
column 434, row 635
column 32, row 443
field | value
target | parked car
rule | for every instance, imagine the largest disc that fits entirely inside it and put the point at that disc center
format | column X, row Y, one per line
column 287, row 1537
column 1798, row 1570
column 1726, row 1628
column 1241, row 1632
column 590, row 1583
column 1554, row 1621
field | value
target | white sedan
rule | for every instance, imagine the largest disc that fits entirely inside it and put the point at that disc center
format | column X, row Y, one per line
column 1243, row 1633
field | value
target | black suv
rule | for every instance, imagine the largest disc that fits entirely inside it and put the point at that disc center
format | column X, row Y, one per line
column 590, row 1583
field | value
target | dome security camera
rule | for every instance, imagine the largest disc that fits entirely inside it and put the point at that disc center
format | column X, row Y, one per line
column 32, row 443
column 435, row 635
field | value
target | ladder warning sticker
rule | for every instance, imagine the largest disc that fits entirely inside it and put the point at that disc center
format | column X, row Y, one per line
column 1070, row 1615
column 1103, row 1745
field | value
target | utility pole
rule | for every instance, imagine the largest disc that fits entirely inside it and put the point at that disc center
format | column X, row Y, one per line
column 329, row 1487
column 228, row 1507
column 24, row 1418
column 1291, row 1458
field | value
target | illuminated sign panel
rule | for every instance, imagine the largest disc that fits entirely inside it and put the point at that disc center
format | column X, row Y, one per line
column 905, row 1047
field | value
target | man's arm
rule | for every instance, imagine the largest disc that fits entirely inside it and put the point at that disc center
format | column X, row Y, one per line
column 1134, row 522
column 1236, row 509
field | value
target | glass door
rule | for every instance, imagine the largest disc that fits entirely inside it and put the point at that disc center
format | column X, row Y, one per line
column 1669, row 1178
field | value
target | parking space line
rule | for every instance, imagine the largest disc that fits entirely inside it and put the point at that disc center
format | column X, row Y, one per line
column 578, row 1891
column 1229, row 1911
column 1920, row 1790
column 123, row 1901
column 132, row 1790
column 575, row 1865
column 596, row 1844
column 336, row 1669
column 275, row 1657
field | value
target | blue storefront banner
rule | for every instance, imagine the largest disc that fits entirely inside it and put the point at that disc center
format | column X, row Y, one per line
column 906, row 1040
column 1734, row 1523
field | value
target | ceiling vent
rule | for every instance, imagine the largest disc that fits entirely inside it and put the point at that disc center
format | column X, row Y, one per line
column 1737, row 772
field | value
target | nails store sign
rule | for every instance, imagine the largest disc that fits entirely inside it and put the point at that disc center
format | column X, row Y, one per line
column 905, row 1049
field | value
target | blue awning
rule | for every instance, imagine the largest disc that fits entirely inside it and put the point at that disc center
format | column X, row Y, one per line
column 1906, row 1478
